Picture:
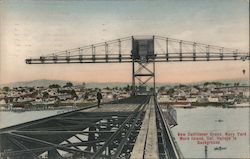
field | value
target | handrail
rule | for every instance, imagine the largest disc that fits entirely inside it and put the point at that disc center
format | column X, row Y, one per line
column 175, row 148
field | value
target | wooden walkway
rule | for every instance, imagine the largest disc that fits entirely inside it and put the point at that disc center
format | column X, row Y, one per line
column 113, row 108
column 146, row 145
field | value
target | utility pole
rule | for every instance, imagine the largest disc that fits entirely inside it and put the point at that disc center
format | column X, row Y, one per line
column 205, row 151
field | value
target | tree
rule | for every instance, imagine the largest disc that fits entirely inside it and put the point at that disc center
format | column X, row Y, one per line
column 31, row 89
column 170, row 91
column 73, row 93
column 236, row 84
column 86, row 95
column 54, row 86
column 96, row 89
column 182, row 85
column 127, row 88
column 6, row 89
column 161, row 89
column 83, row 84
column 45, row 94
column 6, row 100
column 205, row 89
column 206, row 83
column 197, row 87
column 68, row 84
column 115, row 96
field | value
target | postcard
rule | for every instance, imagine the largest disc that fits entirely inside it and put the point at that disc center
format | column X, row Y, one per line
column 124, row 79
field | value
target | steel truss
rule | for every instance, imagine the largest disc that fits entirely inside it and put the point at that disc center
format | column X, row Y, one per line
column 143, row 73
column 119, row 51
column 76, row 134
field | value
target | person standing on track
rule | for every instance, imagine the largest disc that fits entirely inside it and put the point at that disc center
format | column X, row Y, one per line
column 99, row 97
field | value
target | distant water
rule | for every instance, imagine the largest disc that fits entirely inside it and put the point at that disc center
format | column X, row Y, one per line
column 202, row 120
column 13, row 118
column 189, row 120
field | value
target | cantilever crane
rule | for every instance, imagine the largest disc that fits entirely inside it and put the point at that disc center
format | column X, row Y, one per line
column 142, row 51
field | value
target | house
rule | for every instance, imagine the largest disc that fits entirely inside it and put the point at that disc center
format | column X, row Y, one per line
column 192, row 99
column 2, row 95
column 246, row 93
column 164, row 98
column 2, row 101
column 181, row 99
column 213, row 99
column 25, row 99
column 201, row 98
column 52, row 92
column 194, row 91
column 80, row 94
column 217, row 92
column 123, row 95
column 64, row 96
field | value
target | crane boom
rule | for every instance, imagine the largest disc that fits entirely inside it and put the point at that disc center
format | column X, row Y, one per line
column 120, row 51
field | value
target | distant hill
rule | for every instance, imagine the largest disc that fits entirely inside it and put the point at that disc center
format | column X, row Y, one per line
column 37, row 83
column 108, row 84
column 46, row 83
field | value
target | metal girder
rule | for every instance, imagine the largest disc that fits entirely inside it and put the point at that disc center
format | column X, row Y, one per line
column 54, row 154
column 23, row 147
column 43, row 120
column 45, row 143
column 91, row 136
column 159, row 58
column 60, row 132
column 92, row 141
column 113, row 136
column 142, row 73
column 128, row 133
column 119, row 51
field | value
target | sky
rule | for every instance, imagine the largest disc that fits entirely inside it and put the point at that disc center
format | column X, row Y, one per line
column 34, row 28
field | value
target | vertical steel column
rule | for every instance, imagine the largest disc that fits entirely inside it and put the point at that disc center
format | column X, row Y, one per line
column 93, row 53
column 133, row 68
column 154, row 66
column 194, row 52
column 154, row 76
column 106, row 51
column 120, row 50
column 221, row 53
column 181, row 50
column 167, row 49
column 235, row 54
column 54, row 154
column 68, row 56
column 141, row 72
column 207, row 52
column 80, row 54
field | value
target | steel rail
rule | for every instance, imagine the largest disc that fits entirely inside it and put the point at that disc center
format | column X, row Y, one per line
column 125, row 138
column 113, row 136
